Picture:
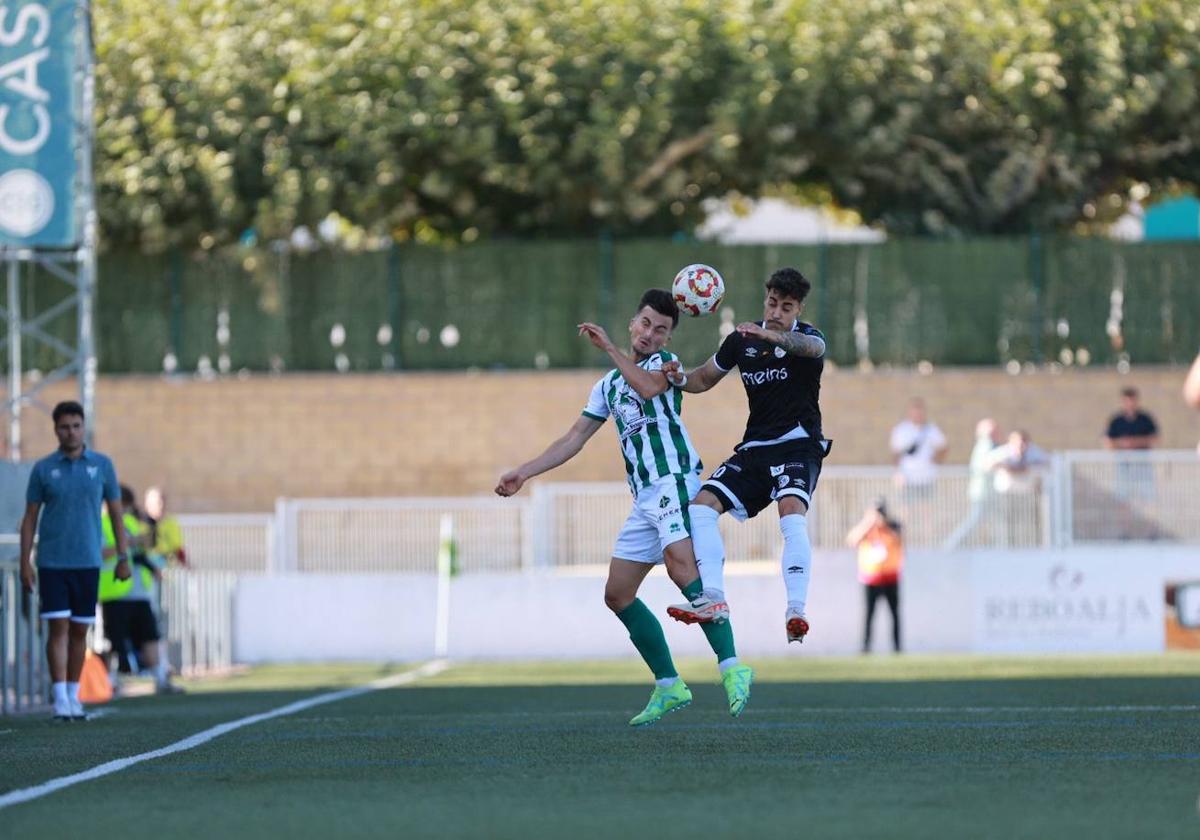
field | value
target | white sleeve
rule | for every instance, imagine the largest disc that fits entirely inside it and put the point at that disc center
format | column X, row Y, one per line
column 597, row 406
column 901, row 440
column 936, row 438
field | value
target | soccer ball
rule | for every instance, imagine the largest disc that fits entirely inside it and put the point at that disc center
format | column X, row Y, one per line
column 698, row 289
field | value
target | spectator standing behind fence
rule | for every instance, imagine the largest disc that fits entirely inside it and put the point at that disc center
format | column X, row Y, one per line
column 165, row 534
column 880, row 558
column 1131, row 428
column 918, row 446
column 981, row 485
column 63, row 502
column 1017, row 467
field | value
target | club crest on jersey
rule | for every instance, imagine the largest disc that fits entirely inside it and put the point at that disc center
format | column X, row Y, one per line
column 784, row 481
column 664, row 501
column 780, row 352
column 93, row 471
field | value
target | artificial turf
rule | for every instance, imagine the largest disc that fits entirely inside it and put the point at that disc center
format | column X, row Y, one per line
column 886, row 747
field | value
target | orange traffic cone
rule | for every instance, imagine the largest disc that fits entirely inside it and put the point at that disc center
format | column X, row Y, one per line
column 94, row 685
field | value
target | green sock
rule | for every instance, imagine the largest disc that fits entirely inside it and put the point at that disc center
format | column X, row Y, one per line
column 647, row 636
column 720, row 636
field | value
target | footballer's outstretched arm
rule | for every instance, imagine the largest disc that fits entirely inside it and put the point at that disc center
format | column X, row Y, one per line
column 697, row 380
column 647, row 383
column 557, row 453
column 793, row 343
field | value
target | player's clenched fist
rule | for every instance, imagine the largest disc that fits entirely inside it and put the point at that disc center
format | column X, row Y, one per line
column 510, row 483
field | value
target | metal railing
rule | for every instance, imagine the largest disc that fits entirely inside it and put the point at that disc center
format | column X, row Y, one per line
column 229, row 542
column 24, row 675
column 197, row 611
column 1080, row 497
column 399, row 535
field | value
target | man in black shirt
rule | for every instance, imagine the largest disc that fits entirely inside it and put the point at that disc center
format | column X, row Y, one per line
column 780, row 360
column 1131, row 428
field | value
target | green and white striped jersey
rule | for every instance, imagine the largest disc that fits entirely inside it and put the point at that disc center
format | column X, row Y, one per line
column 653, row 441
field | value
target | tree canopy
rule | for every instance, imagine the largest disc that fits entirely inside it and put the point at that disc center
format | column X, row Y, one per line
column 457, row 119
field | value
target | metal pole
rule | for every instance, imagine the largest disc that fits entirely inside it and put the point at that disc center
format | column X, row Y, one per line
column 14, row 359
column 86, row 216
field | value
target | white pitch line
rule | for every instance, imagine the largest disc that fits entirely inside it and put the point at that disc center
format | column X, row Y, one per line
column 988, row 709
column 16, row 797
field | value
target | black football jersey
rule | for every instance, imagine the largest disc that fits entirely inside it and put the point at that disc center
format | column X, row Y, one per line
column 782, row 389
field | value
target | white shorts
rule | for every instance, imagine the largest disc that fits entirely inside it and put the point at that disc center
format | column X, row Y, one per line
column 659, row 518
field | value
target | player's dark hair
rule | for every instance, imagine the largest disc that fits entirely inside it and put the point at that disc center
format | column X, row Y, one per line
column 1129, row 391
column 128, row 499
column 69, row 408
column 661, row 301
column 789, row 283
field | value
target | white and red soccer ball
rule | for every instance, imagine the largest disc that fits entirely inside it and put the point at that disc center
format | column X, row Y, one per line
column 698, row 289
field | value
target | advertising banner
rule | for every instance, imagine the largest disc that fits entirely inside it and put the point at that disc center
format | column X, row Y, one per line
column 39, row 115
column 1065, row 602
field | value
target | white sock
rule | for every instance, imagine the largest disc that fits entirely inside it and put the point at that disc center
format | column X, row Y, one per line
column 725, row 664
column 666, row 682
column 710, row 550
column 161, row 675
column 73, row 693
column 797, row 557
column 60, row 694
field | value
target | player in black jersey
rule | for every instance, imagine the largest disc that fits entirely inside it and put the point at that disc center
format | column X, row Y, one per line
column 779, row 459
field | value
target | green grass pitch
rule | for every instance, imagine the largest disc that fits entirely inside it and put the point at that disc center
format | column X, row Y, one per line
column 916, row 746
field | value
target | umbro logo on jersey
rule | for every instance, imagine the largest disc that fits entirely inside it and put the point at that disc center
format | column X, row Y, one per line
column 55, row 473
column 752, row 352
column 794, row 570
column 92, row 471
column 777, row 470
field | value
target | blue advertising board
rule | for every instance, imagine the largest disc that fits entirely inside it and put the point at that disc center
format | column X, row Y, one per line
column 39, row 109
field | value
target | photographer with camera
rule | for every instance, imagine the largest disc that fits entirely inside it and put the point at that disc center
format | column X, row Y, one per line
column 880, row 558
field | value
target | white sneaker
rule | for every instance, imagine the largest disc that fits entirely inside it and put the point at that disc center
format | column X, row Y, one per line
column 77, row 711
column 797, row 625
column 703, row 610
column 62, row 711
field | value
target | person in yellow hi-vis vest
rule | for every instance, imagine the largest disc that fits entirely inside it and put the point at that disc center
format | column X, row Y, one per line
column 166, row 535
column 127, row 606
column 880, row 558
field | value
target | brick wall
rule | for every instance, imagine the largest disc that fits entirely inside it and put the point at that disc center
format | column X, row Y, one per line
column 237, row 444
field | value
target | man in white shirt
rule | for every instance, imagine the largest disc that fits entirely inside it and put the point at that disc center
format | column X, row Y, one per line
column 918, row 446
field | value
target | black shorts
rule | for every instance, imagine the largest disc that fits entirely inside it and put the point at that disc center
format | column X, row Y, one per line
column 755, row 477
column 69, row 593
column 129, row 624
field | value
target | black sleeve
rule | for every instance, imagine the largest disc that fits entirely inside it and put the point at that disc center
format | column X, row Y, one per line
column 1150, row 425
column 727, row 356
column 1113, row 431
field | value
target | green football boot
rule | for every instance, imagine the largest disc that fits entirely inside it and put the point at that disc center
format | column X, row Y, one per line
column 663, row 700
column 737, row 687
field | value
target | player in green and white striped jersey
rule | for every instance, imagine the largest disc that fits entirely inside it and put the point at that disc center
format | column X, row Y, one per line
column 663, row 471
column 654, row 443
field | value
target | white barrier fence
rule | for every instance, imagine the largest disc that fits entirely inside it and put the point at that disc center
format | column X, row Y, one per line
column 1082, row 498
column 1074, row 600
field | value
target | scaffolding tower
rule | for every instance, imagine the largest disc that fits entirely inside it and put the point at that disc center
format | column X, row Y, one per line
column 30, row 324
